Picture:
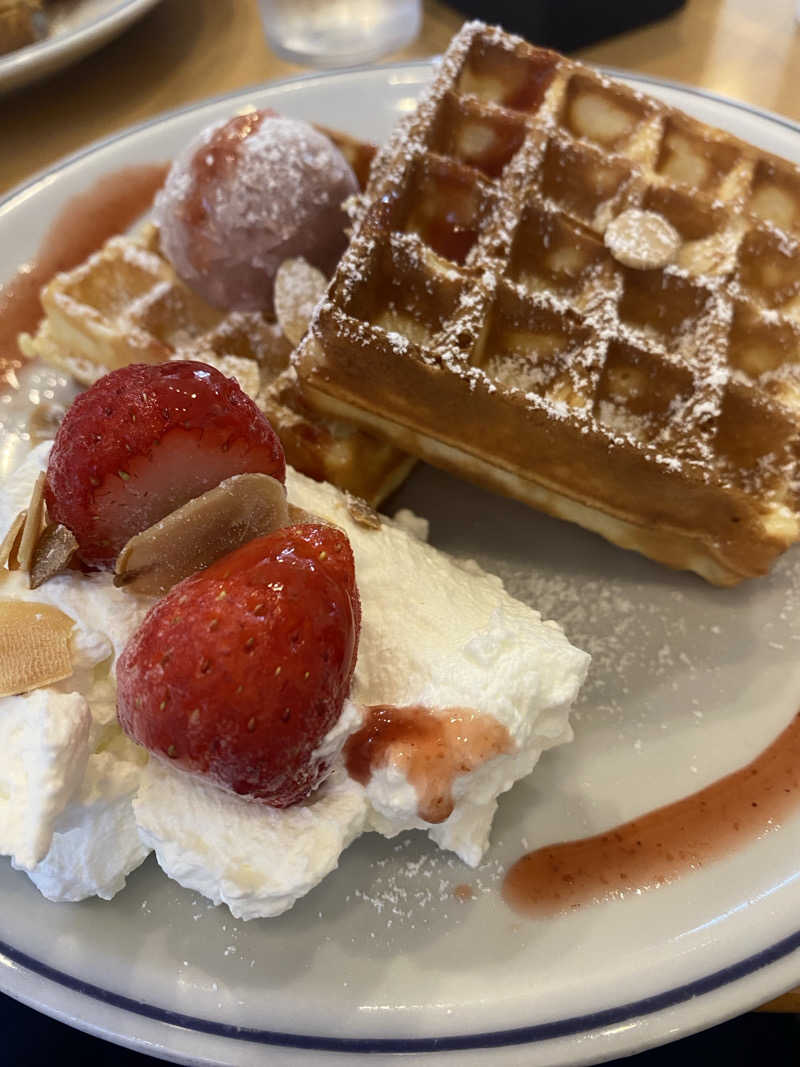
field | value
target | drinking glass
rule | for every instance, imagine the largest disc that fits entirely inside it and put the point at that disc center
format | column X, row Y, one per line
column 338, row 33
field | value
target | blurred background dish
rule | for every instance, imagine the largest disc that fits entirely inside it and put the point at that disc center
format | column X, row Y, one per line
column 72, row 30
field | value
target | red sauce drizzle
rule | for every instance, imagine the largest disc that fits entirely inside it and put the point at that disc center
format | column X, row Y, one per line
column 664, row 844
column 447, row 213
column 449, row 238
column 110, row 206
column 215, row 160
column 432, row 749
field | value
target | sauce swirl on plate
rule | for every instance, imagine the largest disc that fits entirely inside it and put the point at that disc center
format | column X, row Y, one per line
column 664, row 844
column 85, row 223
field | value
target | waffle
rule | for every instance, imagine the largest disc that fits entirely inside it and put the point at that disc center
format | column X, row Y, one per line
column 125, row 304
column 479, row 320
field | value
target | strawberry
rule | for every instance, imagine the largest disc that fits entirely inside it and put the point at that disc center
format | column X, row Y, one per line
column 240, row 670
column 146, row 439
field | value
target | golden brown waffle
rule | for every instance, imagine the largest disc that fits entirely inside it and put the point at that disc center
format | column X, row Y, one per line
column 125, row 304
column 479, row 320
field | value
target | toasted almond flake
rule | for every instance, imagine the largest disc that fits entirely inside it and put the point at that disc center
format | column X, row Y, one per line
column 298, row 289
column 643, row 240
column 298, row 516
column 33, row 524
column 362, row 513
column 52, row 553
column 201, row 531
column 9, row 547
column 44, row 420
column 34, row 646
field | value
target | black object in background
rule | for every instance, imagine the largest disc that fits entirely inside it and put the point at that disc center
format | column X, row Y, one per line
column 568, row 24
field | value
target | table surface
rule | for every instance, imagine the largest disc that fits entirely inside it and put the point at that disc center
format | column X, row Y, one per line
column 184, row 50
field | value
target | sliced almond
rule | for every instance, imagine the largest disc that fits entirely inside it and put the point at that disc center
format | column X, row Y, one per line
column 52, row 553
column 44, row 420
column 9, row 548
column 643, row 240
column 192, row 537
column 34, row 646
column 298, row 289
column 34, row 521
column 298, row 516
column 362, row 513
column 245, row 371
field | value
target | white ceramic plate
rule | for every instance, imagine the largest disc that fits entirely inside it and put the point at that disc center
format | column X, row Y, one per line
column 77, row 29
column 688, row 683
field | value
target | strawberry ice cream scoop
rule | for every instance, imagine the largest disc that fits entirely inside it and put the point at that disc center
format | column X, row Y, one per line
column 247, row 194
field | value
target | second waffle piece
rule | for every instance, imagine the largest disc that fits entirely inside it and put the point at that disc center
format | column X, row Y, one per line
column 573, row 294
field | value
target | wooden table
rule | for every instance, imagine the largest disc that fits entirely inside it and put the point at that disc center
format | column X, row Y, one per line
column 185, row 50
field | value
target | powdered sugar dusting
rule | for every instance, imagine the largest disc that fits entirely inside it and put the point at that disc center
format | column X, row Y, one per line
column 594, row 154
column 246, row 195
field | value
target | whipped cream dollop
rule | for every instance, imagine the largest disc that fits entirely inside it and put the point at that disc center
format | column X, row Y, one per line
column 439, row 635
column 84, row 805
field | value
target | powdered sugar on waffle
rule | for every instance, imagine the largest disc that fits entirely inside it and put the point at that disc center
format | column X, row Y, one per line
column 681, row 321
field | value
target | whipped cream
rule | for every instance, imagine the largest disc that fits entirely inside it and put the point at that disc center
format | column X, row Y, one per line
column 96, row 842
column 436, row 634
column 44, row 737
column 67, row 772
column 256, row 859
column 439, row 634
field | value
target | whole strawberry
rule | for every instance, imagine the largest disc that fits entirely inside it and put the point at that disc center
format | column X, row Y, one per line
column 146, row 439
column 242, row 669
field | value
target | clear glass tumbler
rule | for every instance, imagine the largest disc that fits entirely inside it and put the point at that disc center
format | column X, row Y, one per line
column 338, row 33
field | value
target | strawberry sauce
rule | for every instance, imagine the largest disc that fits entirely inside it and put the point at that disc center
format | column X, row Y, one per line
column 108, row 207
column 659, row 847
column 432, row 750
column 216, row 160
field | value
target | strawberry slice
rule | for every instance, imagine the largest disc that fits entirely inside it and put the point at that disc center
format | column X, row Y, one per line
column 239, row 672
column 146, row 439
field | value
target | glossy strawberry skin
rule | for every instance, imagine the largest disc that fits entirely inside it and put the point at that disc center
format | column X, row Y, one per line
column 144, row 440
column 240, row 671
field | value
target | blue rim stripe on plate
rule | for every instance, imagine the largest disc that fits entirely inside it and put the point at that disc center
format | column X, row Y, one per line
column 540, row 1032
column 522, row 1035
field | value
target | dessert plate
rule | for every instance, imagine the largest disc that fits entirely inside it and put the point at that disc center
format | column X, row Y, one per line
column 78, row 29
column 403, row 949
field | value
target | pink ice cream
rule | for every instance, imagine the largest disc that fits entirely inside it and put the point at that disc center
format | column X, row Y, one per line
column 247, row 194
